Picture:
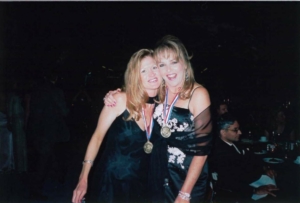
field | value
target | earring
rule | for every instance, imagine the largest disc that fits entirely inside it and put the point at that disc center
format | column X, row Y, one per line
column 163, row 83
column 186, row 76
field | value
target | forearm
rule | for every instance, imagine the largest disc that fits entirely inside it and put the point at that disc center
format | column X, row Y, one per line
column 90, row 155
column 193, row 174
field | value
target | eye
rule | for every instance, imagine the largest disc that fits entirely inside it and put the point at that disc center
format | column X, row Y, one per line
column 174, row 62
column 143, row 71
column 161, row 65
column 154, row 67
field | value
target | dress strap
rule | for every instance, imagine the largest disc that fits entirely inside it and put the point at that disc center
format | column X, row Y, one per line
column 192, row 95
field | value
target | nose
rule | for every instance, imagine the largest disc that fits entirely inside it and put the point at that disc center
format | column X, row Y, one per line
column 151, row 73
column 168, row 68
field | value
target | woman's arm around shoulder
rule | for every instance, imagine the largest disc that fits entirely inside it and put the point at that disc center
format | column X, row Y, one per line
column 108, row 115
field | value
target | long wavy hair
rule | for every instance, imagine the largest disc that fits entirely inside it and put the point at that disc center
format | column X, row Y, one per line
column 171, row 46
column 135, row 91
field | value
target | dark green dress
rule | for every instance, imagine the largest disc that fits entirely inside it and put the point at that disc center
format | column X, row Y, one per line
column 121, row 175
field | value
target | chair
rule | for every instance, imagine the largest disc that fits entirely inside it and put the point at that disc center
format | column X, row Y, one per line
column 212, row 188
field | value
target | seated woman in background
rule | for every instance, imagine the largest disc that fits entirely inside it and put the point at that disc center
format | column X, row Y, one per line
column 281, row 128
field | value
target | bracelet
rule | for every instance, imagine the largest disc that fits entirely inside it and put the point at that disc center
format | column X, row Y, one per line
column 88, row 162
column 184, row 195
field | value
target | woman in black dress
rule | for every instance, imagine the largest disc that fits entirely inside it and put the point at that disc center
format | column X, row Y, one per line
column 184, row 124
column 128, row 129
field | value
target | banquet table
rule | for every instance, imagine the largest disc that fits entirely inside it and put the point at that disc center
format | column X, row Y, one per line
column 288, row 172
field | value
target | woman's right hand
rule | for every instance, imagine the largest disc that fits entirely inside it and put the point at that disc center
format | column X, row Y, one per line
column 79, row 192
column 109, row 99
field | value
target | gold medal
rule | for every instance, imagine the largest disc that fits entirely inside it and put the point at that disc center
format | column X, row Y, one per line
column 165, row 131
column 148, row 146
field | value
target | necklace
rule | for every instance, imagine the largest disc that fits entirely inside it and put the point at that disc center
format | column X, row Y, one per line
column 151, row 100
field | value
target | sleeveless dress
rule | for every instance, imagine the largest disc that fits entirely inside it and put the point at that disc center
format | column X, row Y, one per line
column 121, row 175
column 172, row 156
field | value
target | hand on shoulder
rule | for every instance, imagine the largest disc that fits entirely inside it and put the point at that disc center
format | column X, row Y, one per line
column 109, row 99
column 120, row 104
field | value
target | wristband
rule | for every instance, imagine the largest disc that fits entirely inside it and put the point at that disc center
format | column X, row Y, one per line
column 184, row 195
column 88, row 162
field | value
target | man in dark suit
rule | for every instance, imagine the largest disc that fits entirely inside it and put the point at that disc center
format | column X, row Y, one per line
column 236, row 167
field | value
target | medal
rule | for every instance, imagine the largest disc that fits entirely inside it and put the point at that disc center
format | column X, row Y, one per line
column 148, row 146
column 165, row 130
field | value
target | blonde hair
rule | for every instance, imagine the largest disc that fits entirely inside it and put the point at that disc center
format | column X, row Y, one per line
column 172, row 46
column 135, row 92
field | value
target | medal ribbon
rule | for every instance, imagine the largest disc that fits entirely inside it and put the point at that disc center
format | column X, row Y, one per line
column 148, row 130
column 167, row 113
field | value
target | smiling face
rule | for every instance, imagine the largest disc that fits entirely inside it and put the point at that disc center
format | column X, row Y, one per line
column 172, row 70
column 150, row 75
column 174, row 66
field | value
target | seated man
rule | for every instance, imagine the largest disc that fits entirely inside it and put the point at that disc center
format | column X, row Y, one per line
column 236, row 167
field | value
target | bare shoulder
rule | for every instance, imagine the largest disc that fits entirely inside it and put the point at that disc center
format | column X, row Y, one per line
column 200, row 92
column 120, row 97
column 121, row 101
column 200, row 100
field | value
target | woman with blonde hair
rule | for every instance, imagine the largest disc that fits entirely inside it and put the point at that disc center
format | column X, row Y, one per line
column 128, row 129
column 184, row 120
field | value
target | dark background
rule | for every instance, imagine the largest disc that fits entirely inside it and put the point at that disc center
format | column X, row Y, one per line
column 246, row 53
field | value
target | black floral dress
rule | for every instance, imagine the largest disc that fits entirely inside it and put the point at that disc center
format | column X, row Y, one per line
column 172, row 156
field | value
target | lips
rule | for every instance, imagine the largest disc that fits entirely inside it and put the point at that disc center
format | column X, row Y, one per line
column 153, row 80
column 171, row 76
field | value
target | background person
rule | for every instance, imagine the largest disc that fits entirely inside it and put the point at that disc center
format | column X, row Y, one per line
column 222, row 108
column 280, row 128
column 16, row 123
column 236, row 167
column 47, row 133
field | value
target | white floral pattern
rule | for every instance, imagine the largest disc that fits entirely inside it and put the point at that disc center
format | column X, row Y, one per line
column 173, row 123
column 176, row 156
